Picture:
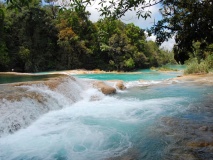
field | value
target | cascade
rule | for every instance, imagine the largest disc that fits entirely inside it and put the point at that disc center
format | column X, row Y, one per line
column 23, row 103
column 68, row 118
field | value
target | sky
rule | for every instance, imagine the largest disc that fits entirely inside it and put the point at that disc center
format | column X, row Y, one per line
column 130, row 16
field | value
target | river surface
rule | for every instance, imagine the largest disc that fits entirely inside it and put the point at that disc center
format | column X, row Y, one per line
column 156, row 118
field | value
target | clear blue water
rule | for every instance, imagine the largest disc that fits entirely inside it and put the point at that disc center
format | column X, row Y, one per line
column 145, row 74
column 134, row 123
column 177, row 67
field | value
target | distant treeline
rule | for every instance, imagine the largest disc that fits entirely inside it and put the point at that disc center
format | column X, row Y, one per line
column 40, row 38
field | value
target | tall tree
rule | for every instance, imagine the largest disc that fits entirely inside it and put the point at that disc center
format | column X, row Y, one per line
column 188, row 20
column 79, row 35
column 31, row 37
column 4, row 58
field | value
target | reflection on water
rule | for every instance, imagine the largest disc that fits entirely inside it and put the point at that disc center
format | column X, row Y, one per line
column 11, row 78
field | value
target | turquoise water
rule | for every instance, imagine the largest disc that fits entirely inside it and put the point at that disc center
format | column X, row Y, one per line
column 11, row 78
column 153, row 121
column 177, row 67
column 145, row 74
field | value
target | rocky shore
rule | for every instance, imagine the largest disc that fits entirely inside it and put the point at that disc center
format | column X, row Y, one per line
column 205, row 79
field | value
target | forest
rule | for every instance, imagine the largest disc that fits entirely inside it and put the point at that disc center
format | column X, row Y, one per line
column 41, row 38
column 36, row 37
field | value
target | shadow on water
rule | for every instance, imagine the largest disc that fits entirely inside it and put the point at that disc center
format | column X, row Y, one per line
column 12, row 78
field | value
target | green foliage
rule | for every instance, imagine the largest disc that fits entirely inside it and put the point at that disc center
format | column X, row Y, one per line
column 189, row 21
column 117, row 9
column 209, row 61
column 39, row 38
column 120, row 43
column 200, row 63
column 4, row 58
column 2, row 15
column 76, row 39
column 24, row 53
column 193, row 67
column 129, row 63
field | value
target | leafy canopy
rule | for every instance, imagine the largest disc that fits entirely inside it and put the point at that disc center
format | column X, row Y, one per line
column 188, row 20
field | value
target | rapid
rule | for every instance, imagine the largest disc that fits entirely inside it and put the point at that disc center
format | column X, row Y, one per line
column 66, row 118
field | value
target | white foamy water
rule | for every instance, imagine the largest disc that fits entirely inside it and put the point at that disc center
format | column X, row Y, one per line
column 93, row 128
column 25, row 106
column 75, row 121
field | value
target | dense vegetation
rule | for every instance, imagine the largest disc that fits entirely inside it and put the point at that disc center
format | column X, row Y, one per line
column 200, row 63
column 39, row 38
column 189, row 21
column 36, row 38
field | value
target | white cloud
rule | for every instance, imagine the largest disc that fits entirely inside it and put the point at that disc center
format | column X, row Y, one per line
column 150, row 38
column 95, row 15
column 168, row 45
column 130, row 16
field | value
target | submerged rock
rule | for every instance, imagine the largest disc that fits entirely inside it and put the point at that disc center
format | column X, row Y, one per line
column 186, row 139
column 200, row 144
column 131, row 154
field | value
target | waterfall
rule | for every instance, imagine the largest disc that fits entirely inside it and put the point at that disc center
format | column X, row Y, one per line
column 23, row 103
column 68, row 118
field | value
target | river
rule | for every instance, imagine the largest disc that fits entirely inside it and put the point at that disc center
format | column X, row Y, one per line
column 154, row 118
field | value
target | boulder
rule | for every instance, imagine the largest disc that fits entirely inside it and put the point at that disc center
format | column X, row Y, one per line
column 119, row 84
column 104, row 88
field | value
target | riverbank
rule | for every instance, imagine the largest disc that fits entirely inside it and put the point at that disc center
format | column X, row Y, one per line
column 71, row 72
column 205, row 79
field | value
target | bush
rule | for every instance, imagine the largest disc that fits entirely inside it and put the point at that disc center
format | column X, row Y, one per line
column 209, row 61
column 193, row 67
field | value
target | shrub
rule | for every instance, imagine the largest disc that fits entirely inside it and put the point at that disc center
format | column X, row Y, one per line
column 193, row 67
column 209, row 61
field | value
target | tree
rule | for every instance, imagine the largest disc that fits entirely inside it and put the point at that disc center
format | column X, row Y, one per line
column 31, row 31
column 67, row 40
column 77, row 38
column 4, row 58
column 118, row 9
column 39, row 38
column 188, row 20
